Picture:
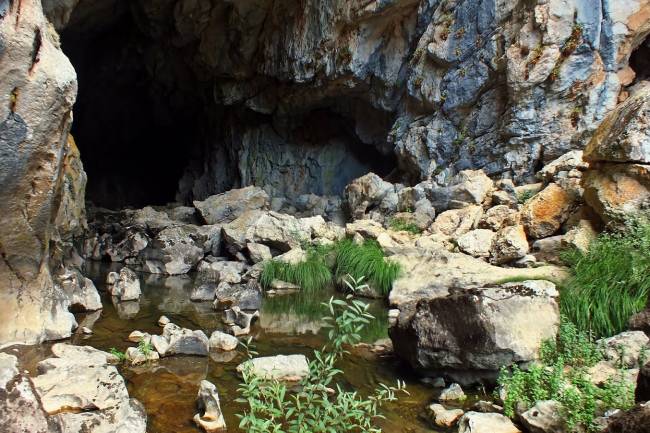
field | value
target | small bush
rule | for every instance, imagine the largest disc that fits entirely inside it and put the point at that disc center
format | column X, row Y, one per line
column 367, row 260
column 609, row 283
column 312, row 274
column 400, row 224
column 272, row 407
column 562, row 376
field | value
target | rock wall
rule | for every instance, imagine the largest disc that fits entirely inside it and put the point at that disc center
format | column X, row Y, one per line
column 37, row 90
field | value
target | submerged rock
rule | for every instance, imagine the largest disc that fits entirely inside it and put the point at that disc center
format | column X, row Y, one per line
column 210, row 418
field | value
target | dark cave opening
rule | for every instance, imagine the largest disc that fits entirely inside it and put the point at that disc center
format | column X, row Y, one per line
column 151, row 132
column 132, row 133
column 640, row 61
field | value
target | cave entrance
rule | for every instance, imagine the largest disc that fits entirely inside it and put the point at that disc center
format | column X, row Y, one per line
column 640, row 61
column 151, row 131
column 132, row 128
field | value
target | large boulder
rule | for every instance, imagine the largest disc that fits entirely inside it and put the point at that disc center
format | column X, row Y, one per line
column 210, row 417
column 175, row 250
column 544, row 214
column 477, row 422
column 469, row 187
column 125, row 285
column 289, row 368
column 366, row 193
column 183, row 341
column 226, row 207
column 472, row 333
column 624, row 135
column 82, row 392
column 80, row 290
column 38, row 86
column 636, row 420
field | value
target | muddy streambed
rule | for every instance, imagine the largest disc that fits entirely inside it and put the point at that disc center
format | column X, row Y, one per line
column 288, row 324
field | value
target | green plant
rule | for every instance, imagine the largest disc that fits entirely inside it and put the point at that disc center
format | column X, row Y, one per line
column 525, row 195
column 120, row 355
column 401, row 224
column 366, row 259
column 272, row 407
column 145, row 347
column 311, row 274
column 610, row 282
column 562, row 375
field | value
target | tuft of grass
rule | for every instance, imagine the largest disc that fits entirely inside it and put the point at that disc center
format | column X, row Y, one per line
column 121, row 356
column 366, row 260
column 400, row 224
column 312, row 274
column 610, row 282
column 145, row 347
column 525, row 196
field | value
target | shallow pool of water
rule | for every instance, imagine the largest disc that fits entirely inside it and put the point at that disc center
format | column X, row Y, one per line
column 290, row 324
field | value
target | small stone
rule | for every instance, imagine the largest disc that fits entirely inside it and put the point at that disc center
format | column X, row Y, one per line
column 136, row 357
column 210, row 418
column 222, row 341
column 487, row 407
column 163, row 320
column 160, row 344
column 136, row 336
column 509, row 244
column 452, row 392
column 545, row 417
column 444, row 417
column 86, row 331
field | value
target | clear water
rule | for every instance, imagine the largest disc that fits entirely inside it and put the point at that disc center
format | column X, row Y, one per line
column 288, row 324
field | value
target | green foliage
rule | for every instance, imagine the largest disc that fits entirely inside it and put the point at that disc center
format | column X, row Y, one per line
column 525, row 196
column 145, row 347
column 312, row 274
column 348, row 258
column 120, row 355
column 609, row 283
column 562, row 376
column 272, row 407
column 401, row 224
column 367, row 260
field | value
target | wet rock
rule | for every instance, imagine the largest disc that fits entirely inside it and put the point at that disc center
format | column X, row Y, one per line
column 183, row 341
column 544, row 214
column 136, row 336
column 239, row 321
column 452, row 392
column 222, row 341
column 544, row 417
column 210, row 418
column 476, row 243
column 258, row 252
column 80, row 290
column 457, row 222
column 245, row 296
column 477, row 422
column 160, row 344
column 125, row 286
column 509, row 244
column 287, row 368
column 222, row 271
column 226, row 207
column 163, row 320
column 444, row 417
column 505, row 324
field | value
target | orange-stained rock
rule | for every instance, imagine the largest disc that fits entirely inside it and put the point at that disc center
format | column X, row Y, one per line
column 614, row 190
column 544, row 214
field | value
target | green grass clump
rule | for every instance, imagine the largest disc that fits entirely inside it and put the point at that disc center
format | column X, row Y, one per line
column 365, row 260
column 562, row 375
column 312, row 274
column 121, row 356
column 610, row 282
column 524, row 196
column 400, row 224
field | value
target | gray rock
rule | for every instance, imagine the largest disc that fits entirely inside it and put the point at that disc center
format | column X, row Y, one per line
column 477, row 422
column 366, row 193
column 258, row 252
column 476, row 243
column 226, row 207
column 210, row 418
column 8, row 369
column 222, row 341
column 183, row 341
column 443, row 417
column 289, row 368
column 467, row 188
column 245, row 296
column 160, row 344
column 136, row 357
column 239, row 321
column 81, row 291
column 509, row 244
column 204, row 292
column 175, row 250
column 452, row 392
column 544, row 417
column 625, row 348
column 125, row 286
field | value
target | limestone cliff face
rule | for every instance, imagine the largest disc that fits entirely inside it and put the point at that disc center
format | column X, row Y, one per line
column 37, row 90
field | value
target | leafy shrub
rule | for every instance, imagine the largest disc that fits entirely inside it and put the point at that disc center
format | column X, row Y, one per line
column 562, row 375
column 609, row 283
column 367, row 260
column 272, row 407
column 400, row 224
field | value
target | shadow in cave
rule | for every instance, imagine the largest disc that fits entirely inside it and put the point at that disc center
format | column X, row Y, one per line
column 132, row 131
column 640, row 61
